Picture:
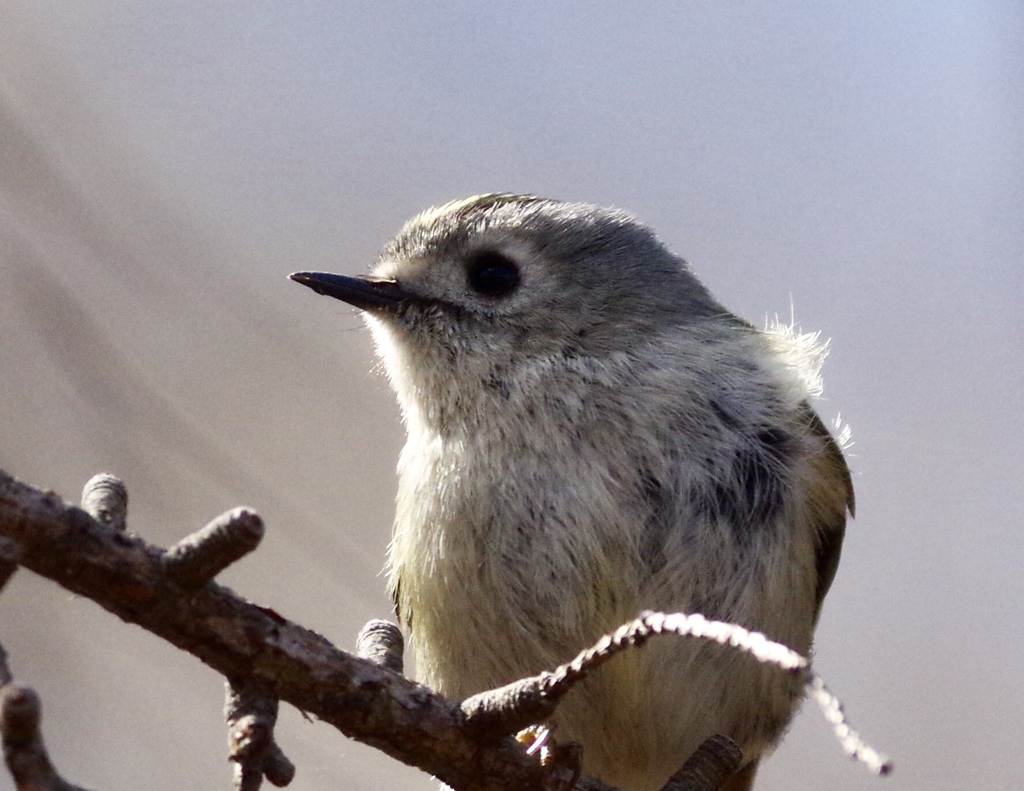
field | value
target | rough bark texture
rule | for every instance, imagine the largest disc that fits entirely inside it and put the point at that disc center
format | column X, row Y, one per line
column 267, row 658
column 244, row 641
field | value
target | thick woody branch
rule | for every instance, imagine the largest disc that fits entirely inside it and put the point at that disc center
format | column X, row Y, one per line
column 9, row 554
column 714, row 762
column 267, row 658
column 274, row 656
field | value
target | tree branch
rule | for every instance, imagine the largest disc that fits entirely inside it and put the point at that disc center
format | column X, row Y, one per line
column 266, row 658
column 254, row 644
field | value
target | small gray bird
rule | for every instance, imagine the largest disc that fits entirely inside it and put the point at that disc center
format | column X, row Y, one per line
column 591, row 434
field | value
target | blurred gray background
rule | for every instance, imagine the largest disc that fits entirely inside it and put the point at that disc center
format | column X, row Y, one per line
column 164, row 165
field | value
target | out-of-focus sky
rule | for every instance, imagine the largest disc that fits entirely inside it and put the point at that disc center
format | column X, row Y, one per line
column 164, row 165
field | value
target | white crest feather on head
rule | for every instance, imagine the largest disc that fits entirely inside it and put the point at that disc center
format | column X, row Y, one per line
column 804, row 353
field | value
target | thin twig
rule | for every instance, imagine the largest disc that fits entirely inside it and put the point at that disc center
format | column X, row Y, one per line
column 382, row 643
column 851, row 741
column 24, row 751
column 252, row 748
column 105, row 499
column 201, row 556
column 513, row 707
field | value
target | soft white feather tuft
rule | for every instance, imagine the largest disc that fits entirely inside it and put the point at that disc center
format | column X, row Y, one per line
column 804, row 352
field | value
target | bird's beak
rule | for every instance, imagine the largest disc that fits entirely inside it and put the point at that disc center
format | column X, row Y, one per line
column 368, row 293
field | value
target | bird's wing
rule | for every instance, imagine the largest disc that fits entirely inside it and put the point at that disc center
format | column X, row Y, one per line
column 830, row 499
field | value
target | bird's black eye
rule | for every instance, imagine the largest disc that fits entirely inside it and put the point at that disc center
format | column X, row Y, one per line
column 492, row 274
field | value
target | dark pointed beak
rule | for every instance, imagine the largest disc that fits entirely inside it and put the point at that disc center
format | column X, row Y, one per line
column 368, row 293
